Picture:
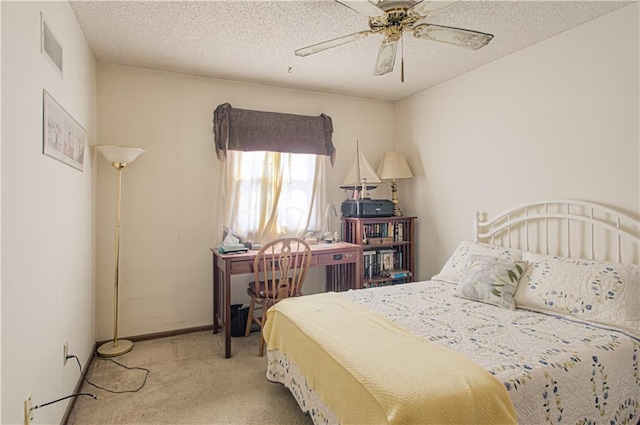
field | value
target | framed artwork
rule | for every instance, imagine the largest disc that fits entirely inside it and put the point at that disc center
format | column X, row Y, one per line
column 63, row 138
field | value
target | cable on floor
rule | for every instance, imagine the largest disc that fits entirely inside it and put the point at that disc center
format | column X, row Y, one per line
column 62, row 398
column 84, row 376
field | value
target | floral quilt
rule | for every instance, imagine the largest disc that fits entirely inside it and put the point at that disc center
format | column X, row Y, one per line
column 556, row 369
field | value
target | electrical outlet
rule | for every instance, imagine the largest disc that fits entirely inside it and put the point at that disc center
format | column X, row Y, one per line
column 28, row 405
column 65, row 353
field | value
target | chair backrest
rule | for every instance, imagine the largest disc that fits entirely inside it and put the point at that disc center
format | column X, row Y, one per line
column 282, row 265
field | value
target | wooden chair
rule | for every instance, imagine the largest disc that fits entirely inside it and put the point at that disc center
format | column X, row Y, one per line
column 279, row 270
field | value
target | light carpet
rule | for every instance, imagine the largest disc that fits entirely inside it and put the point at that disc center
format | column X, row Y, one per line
column 190, row 382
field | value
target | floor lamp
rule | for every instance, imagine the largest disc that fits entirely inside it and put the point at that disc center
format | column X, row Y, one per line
column 119, row 157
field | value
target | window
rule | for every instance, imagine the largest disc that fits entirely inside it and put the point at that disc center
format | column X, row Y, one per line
column 273, row 172
column 272, row 194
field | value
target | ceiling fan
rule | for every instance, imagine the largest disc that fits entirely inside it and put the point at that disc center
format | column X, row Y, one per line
column 391, row 18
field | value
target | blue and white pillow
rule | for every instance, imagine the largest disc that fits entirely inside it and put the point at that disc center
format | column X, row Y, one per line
column 604, row 292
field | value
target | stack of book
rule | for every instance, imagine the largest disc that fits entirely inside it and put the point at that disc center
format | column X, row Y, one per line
column 399, row 277
column 383, row 262
column 387, row 231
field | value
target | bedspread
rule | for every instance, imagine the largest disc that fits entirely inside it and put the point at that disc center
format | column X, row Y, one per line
column 555, row 370
column 356, row 361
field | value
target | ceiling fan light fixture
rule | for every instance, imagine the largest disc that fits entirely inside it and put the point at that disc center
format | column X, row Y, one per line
column 387, row 54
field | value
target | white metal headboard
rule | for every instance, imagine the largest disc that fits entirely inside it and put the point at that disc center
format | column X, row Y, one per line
column 575, row 229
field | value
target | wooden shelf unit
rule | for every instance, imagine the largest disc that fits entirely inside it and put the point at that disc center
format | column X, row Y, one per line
column 394, row 236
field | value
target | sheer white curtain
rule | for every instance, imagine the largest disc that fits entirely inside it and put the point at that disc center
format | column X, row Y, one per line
column 266, row 195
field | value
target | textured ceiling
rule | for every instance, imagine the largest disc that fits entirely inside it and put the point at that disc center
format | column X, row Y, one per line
column 254, row 41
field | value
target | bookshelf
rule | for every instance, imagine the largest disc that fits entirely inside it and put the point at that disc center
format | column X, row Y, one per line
column 387, row 248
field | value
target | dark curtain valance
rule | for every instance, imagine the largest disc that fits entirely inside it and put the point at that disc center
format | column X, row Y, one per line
column 246, row 130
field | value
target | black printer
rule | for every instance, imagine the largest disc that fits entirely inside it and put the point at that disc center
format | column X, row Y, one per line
column 367, row 208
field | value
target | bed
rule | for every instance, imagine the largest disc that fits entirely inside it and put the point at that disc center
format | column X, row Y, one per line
column 536, row 319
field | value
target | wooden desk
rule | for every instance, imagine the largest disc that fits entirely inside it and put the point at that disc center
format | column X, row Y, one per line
column 344, row 271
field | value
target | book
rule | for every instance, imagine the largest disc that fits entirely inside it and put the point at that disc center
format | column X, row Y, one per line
column 397, row 273
column 368, row 263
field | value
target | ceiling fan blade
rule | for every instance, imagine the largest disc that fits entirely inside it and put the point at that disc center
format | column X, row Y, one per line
column 363, row 7
column 428, row 8
column 387, row 55
column 456, row 36
column 305, row 51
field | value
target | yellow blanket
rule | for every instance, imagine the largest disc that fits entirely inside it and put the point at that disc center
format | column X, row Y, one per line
column 368, row 370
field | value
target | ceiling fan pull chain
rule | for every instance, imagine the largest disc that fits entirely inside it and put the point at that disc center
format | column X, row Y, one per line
column 402, row 63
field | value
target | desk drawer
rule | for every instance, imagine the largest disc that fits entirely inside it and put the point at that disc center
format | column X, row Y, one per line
column 337, row 258
column 240, row 267
column 244, row 267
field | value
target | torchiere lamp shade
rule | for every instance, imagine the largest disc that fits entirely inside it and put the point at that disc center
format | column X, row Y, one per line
column 119, row 154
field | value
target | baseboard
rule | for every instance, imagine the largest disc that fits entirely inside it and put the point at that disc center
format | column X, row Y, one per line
column 165, row 334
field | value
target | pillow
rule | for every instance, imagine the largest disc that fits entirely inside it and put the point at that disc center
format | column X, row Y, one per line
column 455, row 264
column 604, row 292
column 492, row 280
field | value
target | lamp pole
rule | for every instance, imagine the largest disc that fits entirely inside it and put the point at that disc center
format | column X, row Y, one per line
column 394, row 198
column 115, row 347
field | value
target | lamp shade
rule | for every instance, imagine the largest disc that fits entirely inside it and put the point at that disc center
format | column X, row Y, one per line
column 394, row 166
column 119, row 154
column 330, row 211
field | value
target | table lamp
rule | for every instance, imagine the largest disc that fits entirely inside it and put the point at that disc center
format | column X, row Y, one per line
column 393, row 167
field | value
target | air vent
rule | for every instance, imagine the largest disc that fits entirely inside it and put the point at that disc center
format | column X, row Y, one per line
column 50, row 46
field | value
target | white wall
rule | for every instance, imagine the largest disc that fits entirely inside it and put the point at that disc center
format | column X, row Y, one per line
column 556, row 120
column 47, row 222
column 169, row 200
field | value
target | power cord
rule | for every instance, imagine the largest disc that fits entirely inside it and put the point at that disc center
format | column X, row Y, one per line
column 95, row 397
column 84, row 377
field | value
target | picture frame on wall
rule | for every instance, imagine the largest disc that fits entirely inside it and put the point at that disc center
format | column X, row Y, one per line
column 63, row 137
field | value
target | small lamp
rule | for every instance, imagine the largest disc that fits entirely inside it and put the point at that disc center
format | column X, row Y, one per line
column 329, row 213
column 119, row 157
column 393, row 167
